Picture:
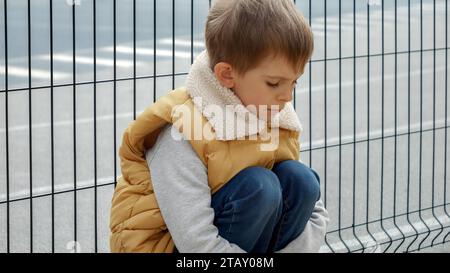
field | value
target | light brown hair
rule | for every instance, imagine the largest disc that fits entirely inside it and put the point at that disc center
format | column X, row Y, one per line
column 244, row 32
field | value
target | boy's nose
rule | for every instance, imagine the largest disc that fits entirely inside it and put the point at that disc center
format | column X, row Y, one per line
column 285, row 97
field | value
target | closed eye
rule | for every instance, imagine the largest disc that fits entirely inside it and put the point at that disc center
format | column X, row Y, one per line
column 274, row 85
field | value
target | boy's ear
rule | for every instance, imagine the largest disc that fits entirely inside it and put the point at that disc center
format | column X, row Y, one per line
column 224, row 74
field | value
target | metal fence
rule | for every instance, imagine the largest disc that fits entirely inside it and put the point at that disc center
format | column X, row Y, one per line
column 373, row 103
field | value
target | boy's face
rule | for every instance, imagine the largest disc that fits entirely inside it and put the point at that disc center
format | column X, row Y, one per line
column 270, row 84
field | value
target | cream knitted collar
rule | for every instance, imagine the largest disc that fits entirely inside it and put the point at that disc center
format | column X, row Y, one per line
column 208, row 94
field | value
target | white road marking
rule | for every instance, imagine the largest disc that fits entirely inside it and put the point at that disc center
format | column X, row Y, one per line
column 88, row 60
column 35, row 73
column 149, row 52
column 373, row 134
column 67, row 122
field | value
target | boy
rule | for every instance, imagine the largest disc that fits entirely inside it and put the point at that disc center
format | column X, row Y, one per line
column 197, row 172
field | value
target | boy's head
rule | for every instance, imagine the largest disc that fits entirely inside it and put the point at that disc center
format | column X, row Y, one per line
column 258, row 49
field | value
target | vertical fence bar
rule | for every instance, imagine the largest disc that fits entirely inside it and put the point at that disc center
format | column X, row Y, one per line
column 325, row 114
column 154, row 50
column 74, row 99
column 340, row 128
column 368, row 119
column 434, row 125
column 340, row 124
column 115, row 87
column 395, row 128
column 395, row 111
column 295, row 107
column 421, row 124
column 29, row 125
column 382, row 127
column 325, row 99
column 52, row 127
column 173, row 44
column 94, row 40
column 192, row 31
column 368, row 125
column 446, row 117
column 8, row 243
column 420, row 133
column 409, row 132
column 310, row 95
column 382, row 124
column 134, row 59
column 354, row 127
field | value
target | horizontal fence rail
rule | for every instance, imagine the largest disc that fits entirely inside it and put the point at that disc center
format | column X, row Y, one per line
column 373, row 103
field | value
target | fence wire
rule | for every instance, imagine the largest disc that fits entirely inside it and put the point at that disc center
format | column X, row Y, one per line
column 373, row 103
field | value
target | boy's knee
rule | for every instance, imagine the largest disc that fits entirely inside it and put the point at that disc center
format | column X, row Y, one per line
column 264, row 184
column 300, row 180
column 308, row 184
column 310, row 189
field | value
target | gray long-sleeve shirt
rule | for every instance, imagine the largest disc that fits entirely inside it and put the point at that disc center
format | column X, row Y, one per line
column 180, row 183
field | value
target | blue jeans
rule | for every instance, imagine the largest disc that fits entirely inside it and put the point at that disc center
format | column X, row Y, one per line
column 262, row 210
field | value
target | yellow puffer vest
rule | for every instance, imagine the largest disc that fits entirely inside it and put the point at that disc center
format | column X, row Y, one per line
column 136, row 222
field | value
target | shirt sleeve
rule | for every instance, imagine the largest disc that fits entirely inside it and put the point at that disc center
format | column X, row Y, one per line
column 312, row 237
column 180, row 183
